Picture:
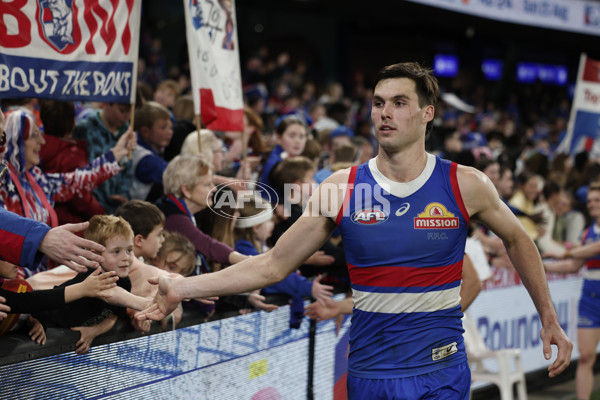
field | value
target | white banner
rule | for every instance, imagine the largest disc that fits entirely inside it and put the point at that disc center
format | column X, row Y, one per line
column 506, row 317
column 567, row 15
column 211, row 30
column 69, row 49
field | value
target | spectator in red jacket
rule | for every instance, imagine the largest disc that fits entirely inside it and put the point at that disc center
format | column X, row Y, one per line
column 62, row 153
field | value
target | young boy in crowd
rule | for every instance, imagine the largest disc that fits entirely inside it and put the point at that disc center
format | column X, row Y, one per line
column 23, row 300
column 147, row 223
column 101, row 130
column 155, row 130
column 90, row 316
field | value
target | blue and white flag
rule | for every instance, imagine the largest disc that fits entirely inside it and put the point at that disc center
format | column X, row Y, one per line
column 69, row 49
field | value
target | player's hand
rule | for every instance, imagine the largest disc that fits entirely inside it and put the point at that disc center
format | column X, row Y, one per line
column 554, row 335
column 142, row 326
column 165, row 300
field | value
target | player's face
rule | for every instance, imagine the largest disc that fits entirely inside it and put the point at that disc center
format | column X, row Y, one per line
column 118, row 255
column 397, row 117
column 8, row 270
column 593, row 203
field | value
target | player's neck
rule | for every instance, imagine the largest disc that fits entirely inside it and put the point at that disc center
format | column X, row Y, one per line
column 402, row 166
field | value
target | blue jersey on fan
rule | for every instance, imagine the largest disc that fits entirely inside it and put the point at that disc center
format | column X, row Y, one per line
column 404, row 245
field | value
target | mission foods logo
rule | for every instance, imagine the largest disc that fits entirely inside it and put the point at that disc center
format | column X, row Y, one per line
column 369, row 216
column 436, row 216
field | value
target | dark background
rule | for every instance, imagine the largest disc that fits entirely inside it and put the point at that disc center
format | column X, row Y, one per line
column 337, row 38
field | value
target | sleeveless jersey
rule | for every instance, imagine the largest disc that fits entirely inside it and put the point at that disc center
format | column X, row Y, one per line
column 592, row 273
column 404, row 245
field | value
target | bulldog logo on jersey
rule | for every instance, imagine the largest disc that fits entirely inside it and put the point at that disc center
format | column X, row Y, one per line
column 369, row 217
column 436, row 216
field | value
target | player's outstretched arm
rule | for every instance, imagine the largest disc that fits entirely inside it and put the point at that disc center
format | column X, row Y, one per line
column 483, row 203
column 299, row 242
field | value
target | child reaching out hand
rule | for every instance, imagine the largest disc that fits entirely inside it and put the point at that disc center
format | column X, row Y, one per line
column 91, row 316
column 96, row 284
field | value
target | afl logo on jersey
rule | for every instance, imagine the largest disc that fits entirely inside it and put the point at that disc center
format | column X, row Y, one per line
column 369, row 217
column 436, row 216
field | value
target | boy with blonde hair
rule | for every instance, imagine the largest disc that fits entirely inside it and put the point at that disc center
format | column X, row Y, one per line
column 91, row 316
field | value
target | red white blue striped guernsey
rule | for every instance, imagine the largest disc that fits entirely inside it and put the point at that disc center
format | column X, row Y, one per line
column 592, row 272
column 404, row 245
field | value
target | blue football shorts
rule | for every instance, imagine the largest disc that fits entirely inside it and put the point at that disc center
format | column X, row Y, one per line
column 451, row 383
column 589, row 310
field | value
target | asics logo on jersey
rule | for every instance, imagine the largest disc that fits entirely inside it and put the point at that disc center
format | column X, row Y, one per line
column 402, row 210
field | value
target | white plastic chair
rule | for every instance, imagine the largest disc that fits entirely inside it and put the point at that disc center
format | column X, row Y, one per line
column 505, row 377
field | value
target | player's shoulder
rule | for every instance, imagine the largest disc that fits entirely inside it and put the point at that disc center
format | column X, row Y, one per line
column 471, row 178
column 340, row 176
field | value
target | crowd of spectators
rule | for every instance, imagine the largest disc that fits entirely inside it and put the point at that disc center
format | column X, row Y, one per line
column 297, row 132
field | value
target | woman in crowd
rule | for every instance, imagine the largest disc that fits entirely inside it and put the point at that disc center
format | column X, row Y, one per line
column 26, row 190
column 188, row 185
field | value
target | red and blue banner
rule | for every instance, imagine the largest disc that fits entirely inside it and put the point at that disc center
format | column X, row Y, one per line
column 584, row 123
column 211, row 30
column 69, row 49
